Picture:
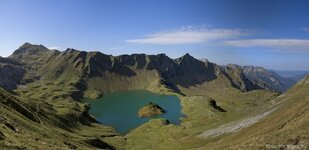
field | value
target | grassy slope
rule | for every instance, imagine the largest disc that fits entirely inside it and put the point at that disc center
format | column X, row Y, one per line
column 52, row 128
column 200, row 116
column 287, row 127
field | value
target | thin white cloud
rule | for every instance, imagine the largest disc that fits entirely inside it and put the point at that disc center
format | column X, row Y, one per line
column 188, row 35
column 288, row 44
column 53, row 47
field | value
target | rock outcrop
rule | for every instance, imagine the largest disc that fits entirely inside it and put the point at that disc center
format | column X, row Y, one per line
column 214, row 105
column 150, row 110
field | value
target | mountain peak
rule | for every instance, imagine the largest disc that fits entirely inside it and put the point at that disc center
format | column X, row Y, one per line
column 26, row 44
column 29, row 45
column 29, row 49
column 233, row 66
column 187, row 55
column 255, row 68
column 187, row 58
column 70, row 50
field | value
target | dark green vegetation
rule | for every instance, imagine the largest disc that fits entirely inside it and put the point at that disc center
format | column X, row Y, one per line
column 121, row 109
column 43, row 108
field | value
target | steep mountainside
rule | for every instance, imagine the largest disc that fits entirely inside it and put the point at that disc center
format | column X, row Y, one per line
column 261, row 75
column 11, row 73
column 237, row 72
column 94, row 72
column 286, row 128
column 35, row 124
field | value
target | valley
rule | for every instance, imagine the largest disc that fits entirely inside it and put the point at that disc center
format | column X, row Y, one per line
column 44, row 106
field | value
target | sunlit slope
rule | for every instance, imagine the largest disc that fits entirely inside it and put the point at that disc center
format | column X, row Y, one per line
column 211, row 96
column 287, row 127
column 200, row 116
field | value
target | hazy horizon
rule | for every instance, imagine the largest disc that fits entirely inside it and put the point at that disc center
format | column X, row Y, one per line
column 271, row 34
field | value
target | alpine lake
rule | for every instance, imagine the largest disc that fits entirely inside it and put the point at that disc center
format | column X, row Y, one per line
column 120, row 109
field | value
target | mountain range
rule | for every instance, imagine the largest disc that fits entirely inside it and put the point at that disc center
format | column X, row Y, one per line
column 43, row 88
column 31, row 63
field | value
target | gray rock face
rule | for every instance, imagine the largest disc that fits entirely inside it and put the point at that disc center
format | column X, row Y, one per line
column 239, row 80
column 11, row 73
column 267, row 79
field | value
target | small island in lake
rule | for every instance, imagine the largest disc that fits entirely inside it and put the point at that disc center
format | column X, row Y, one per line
column 150, row 110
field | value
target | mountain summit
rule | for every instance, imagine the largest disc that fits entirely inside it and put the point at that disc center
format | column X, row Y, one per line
column 29, row 49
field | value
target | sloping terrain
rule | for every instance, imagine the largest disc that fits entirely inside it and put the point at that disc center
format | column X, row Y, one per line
column 47, row 87
column 200, row 116
column 32, row 124
column 11, row 73
column 286, row 128
column 260, row 76
column 81, row 74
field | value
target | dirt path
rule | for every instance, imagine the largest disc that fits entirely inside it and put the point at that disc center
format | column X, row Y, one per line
column 234, row 126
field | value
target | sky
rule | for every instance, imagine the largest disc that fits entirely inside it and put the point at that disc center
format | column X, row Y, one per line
column 270, row 33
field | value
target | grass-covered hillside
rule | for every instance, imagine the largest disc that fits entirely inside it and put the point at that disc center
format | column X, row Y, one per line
column 41, row 105
column 93, row 73
column 36, row 124
column 286, row 128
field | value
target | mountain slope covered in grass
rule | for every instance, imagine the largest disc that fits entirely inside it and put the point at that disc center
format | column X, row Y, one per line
column 36, row 124
column 44, row 110
column 85, row 71
column 285, row 128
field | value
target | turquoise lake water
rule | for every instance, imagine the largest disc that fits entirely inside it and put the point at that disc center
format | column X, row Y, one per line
column 119, row 109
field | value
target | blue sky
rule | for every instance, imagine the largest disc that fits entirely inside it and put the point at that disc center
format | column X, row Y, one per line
column 269, row 33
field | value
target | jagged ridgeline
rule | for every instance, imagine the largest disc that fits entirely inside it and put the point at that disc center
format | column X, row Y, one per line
column 94, row 73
